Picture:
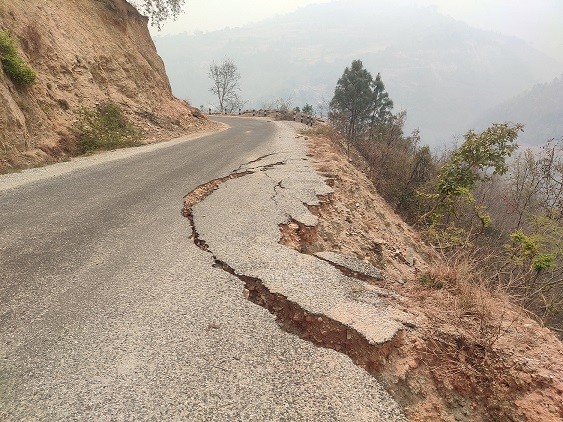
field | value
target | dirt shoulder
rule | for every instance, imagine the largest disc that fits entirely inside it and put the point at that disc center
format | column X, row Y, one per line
column 15, row 161
column 474, row 355
column 16, row 179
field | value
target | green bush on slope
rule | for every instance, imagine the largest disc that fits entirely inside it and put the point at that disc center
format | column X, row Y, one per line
column 104, row 127
column 14, row 66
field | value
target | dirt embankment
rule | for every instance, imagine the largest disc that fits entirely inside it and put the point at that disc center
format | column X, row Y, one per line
column 85, row 52
column 477, row 356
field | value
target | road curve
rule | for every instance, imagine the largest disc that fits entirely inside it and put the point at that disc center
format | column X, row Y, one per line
column 108, row 311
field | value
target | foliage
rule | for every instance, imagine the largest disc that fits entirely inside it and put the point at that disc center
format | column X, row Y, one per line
column 104, row 127
column 361, row 106
column 543, row 261
column 507, row 213
column 159, row 11
column 14, row 66
column 381, row 105
column 308, row 109
column 479, row 158
column 398, row 165
column 353, row 99
column 524, row 246
column 225, row 78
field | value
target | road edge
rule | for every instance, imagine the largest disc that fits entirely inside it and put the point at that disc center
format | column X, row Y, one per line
column 25, row 177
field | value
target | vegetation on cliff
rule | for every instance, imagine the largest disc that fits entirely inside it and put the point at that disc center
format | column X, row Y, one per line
column 476, row 199
column 159, row 11
column 12, row 63
column 104, row 127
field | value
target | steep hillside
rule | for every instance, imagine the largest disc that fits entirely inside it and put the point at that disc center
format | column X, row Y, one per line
column 472, row 353
column 540, row 109
column 443, row 72
column 85, row 52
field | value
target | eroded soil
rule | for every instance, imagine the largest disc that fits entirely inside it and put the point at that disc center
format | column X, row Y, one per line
column 470, row 355
column 478, row 356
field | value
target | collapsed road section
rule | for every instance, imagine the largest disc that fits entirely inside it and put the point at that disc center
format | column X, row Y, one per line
column 238, row 218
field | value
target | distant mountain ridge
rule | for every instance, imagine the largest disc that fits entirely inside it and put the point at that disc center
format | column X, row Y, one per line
column 540, row 109
column 443, row 72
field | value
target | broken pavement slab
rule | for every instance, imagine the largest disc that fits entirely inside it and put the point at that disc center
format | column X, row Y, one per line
column 351, row 264
column 239, row 223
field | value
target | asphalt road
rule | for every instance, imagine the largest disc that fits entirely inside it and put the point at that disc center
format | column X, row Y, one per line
column 108, row 311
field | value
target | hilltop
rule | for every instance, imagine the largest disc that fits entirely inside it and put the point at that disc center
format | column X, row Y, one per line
column 540, row 109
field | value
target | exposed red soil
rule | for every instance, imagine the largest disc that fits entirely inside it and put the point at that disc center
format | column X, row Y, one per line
column 475, row 355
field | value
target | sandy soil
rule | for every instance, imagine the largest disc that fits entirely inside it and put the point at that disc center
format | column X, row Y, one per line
column 84, row 53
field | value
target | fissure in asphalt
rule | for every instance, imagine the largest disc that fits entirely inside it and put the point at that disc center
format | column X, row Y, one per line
column 290, row 316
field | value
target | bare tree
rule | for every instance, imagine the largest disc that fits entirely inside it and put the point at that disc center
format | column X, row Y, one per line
column 225, row 77
column 323, row 107
column 234, row 103
column 279, row 104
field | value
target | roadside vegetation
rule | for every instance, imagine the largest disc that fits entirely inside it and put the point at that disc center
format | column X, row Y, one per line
column 473, row 354
column 13, row 64
column 482, row 200
column 158, row 11
column 104, row 127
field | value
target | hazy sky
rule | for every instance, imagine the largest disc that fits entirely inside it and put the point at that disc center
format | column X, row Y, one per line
column 208, row 15
column 537, row 21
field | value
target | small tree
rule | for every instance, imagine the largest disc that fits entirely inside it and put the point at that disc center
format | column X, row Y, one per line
column 479, row 158
column 323, row 107
column 308, row 109
column 225, row 78
column 353, row 99
column 233, row 103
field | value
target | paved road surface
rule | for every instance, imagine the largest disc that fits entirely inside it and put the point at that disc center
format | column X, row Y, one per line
column 108, row 311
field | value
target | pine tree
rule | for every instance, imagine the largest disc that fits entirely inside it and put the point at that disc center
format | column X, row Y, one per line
column 353, row 99
column 381, row 107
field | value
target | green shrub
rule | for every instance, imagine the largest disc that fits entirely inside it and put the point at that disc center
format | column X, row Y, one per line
column 104, row 127
column 14, row 66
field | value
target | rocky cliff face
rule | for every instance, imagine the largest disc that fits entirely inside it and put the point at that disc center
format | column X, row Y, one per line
column 85, row 52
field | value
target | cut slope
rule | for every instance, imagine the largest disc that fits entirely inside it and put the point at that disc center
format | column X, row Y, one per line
column 84, row 52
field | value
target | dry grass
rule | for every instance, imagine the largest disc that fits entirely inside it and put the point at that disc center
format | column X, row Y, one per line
column 322, row 130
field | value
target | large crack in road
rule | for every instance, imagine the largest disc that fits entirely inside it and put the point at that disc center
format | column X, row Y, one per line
column 320, row 298
column 109, row 311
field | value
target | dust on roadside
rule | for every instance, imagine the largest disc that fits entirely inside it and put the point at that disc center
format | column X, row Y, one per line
column 475, row 356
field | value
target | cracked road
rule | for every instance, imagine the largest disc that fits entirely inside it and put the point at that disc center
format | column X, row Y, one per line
column 109, row 311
